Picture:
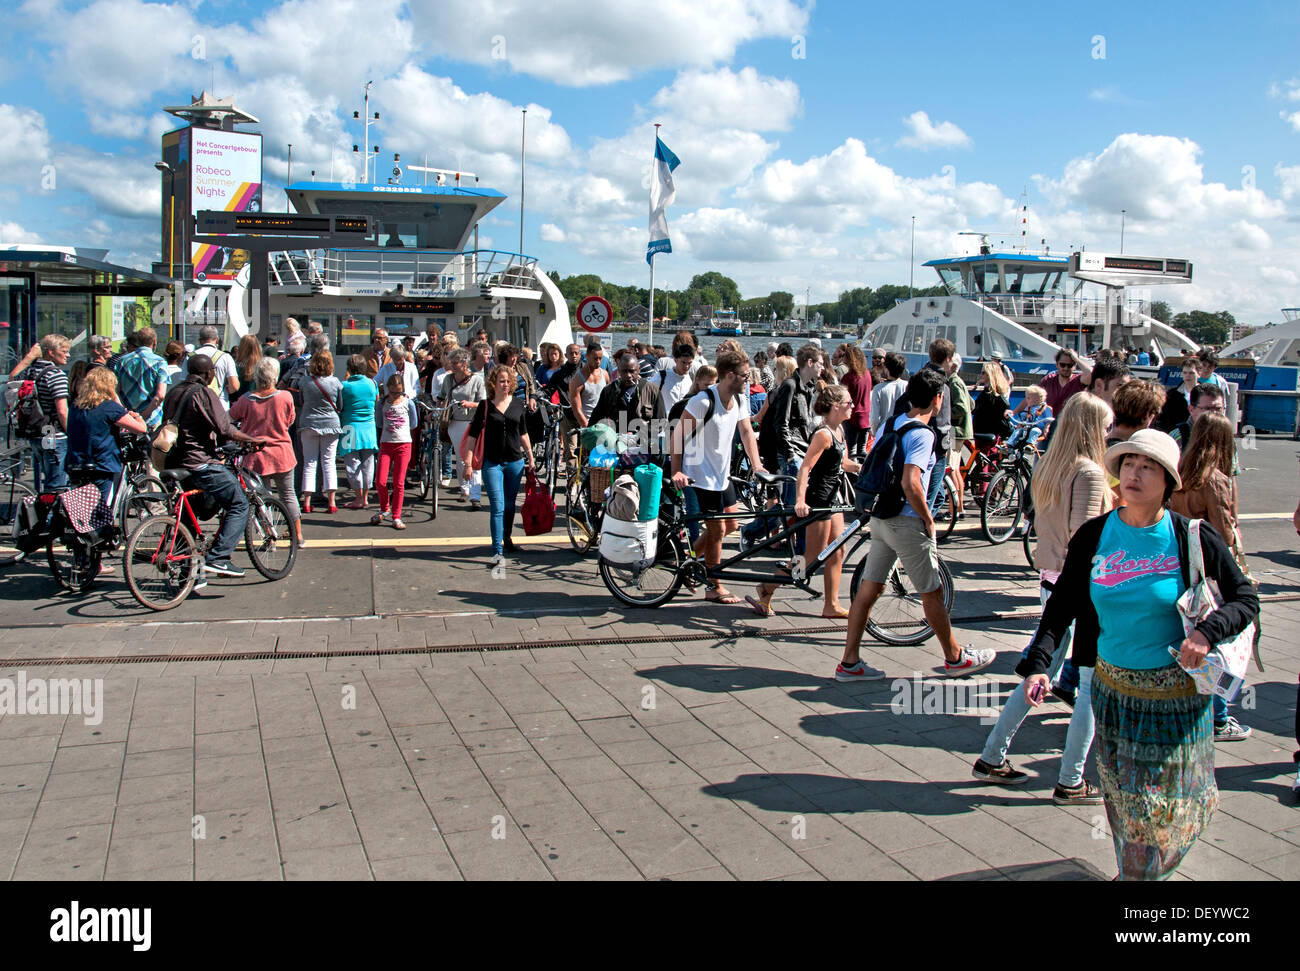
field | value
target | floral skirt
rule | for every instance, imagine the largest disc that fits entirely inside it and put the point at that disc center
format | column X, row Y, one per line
column 1155, row 762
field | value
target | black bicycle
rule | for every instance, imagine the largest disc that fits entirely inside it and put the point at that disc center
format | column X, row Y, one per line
column 1007, row 500
column 546, row 453
column 897, row 618
column 428, row 464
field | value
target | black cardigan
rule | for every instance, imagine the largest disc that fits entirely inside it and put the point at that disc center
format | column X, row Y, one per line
column 1071, row 599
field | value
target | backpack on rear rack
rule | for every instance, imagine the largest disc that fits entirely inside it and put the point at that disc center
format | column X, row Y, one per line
column 879, row 486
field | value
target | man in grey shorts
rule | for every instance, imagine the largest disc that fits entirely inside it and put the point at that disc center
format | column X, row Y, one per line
column 909, row 537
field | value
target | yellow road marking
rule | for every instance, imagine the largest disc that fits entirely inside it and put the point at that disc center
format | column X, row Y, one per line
column 408, row 541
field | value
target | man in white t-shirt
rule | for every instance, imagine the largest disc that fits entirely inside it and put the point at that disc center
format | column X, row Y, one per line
column 227, row 377
column 678, row 379
column 701, row 454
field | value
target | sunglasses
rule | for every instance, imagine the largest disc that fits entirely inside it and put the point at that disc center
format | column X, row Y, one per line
column 1065, row 365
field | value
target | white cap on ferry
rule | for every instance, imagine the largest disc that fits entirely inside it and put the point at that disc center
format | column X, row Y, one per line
column 1149, row 443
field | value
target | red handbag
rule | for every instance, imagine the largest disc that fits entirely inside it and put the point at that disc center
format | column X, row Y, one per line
column 478, row 449
column 538, row 513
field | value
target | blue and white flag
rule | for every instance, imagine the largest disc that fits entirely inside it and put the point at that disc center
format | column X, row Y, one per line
column 662, row 192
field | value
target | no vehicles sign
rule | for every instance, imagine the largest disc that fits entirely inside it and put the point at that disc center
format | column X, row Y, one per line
column 594, row 314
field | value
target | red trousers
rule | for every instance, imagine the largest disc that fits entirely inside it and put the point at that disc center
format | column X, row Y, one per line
column 399, row 455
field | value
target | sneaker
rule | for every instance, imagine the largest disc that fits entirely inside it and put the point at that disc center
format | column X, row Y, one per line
column 858, row 672
column 1064, row 694
column 1084, row 794
column 998, row 775
column 223, row 569
column 201, row 580
column 496, row 560
column 970, row 662
column 379, row 517
column 1231, row 731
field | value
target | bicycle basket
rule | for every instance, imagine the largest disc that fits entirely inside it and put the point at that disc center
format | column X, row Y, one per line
column 599, row 481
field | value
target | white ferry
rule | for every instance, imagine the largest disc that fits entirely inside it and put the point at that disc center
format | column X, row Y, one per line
column 1025, row 307
column 726, row 323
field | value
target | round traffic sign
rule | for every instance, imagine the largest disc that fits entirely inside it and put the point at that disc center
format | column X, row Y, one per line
column 594, row 314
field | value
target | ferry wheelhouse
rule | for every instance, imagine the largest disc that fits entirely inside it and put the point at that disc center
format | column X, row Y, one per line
column 1025, row 307
column 427, row 270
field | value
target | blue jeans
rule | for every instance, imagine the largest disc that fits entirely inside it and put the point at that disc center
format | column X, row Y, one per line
column 935, row 488
column 1078, row 737
column 47, row 464
column 693, row 509
column 762, row 526
column 501, row 481
column 1220, row 710
column 220, row 483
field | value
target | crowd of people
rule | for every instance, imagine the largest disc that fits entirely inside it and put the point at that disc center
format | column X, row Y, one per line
column 1123, row 465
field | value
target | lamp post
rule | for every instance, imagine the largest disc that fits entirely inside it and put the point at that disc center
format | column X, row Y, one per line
column 168, row 171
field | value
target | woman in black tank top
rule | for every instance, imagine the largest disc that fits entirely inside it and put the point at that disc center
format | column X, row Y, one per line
column 817, row 488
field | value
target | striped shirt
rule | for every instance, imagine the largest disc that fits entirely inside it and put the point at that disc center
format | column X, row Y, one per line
column 51, row 386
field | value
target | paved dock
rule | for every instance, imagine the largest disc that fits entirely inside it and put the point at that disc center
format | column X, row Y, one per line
column 392, row 711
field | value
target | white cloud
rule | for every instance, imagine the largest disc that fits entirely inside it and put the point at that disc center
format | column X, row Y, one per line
column 13, row 233
column 1154, row 177
column 578, row 43
column 119, row 185
column 1289, row 177
column 1279, row 276
column 725, row 235
column 115, row 124
column 1292, row 119
column 24, row 142
column 728, row 99
column 925, row 135
column 1249, row 236
column 551, row 233
column 1287, row 90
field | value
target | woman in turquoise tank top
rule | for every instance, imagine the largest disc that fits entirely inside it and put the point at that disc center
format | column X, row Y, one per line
column 357, row 416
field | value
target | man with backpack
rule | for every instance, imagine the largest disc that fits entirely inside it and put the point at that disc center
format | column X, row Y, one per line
column 226, row 377
column 941, row 352
column 701, row 456
column 42, row 413
column 892, row 488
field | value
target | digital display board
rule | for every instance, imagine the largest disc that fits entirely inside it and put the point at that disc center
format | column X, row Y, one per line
column 416, row 306
column 1134, row 263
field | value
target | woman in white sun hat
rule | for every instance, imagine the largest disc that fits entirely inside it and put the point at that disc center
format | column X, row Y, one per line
column 1123, row 574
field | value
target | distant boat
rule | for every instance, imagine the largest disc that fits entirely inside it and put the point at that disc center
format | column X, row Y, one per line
column 725, row 323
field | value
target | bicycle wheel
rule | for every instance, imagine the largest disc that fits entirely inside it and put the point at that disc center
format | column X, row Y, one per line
column 145, row 496
column 422, row 468
column 435, row 476
column 1002, row 506
column 74, row 564
column 898, row 617
column 578, row 518
column 11, row 500
column 161, row 563
column 270, row 539
column 1030, row 541
column 649, row 586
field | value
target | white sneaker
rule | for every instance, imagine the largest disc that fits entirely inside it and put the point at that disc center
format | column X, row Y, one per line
column 970, row 662
column 202, row 580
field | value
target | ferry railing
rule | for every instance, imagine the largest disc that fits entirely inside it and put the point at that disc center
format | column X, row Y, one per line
column 428, row 269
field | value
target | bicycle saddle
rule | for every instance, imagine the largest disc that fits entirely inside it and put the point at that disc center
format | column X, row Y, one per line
column 768, row 478
column 174, row 475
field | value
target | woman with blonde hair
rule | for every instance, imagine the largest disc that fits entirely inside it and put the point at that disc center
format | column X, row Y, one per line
column 91, row 419
column 1069, row 488
column 268, row 413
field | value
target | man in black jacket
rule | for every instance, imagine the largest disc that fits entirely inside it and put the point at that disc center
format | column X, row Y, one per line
column 629, row 404
column 787, row 426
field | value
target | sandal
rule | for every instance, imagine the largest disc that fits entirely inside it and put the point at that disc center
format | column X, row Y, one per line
column 398, row 524
column 841, row 615
column 730, row 599
column 760, row 608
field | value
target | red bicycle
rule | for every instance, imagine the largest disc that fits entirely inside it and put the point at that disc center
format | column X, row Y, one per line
column 165, row 553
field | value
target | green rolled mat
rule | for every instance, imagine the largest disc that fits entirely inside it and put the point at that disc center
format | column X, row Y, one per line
column 649, row 479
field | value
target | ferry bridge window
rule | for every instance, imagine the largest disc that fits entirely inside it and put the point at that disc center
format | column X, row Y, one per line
column 951, row 277
column 1031, row 282
column 888, row 335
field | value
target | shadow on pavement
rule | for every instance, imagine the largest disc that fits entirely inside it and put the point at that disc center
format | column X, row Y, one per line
column 1071, row 869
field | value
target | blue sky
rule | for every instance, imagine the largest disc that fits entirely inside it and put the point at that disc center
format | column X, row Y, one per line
column 796, row 171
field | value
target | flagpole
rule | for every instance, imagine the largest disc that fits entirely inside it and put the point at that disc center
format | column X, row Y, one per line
column 651, row 318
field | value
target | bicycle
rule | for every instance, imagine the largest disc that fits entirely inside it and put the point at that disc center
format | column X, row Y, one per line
column 1007, row 500
column 12, row 494
column 897, row 618
column 584, row 504
column 546, row 453
column 428, row 464
column 164, row 555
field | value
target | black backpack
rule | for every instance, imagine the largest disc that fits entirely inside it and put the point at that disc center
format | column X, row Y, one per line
column 28, row 419
column 879, row 487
